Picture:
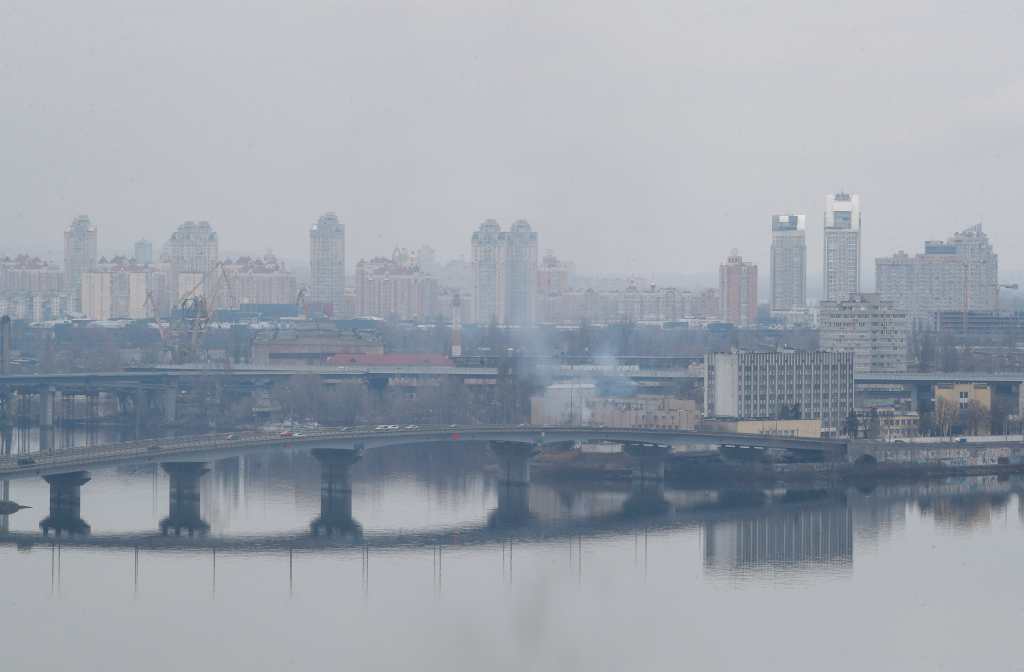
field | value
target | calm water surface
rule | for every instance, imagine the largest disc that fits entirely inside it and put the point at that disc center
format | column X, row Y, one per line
column 439, row 572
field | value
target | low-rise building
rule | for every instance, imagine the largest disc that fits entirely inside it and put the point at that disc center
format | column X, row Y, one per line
column 311, row 342
column 580, row 404
column 782, row 384
column 810, row 429
column 563, row 404
column 962, row 408
column 645, row 411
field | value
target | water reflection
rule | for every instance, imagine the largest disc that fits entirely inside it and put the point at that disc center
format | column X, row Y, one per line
column 820, row 534
column 422, row 541
column 444, row 496
column 185, row 515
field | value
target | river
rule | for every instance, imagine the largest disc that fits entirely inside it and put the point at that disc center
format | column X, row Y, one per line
column 578, row 577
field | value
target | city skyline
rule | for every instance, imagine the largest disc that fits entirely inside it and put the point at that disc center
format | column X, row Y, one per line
column 659, row 161
column 506, row 280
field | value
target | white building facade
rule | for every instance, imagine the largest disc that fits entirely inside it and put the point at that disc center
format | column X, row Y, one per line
column 842, row 239
column 788, row 286
column 958, row 274
column 327, row 263
column 873, row 329
column 807, row 385
column 505, row 274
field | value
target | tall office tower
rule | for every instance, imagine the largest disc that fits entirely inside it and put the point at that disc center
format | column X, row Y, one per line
column 841, row 260
column 327, row 264
column 79, row 256
column 959, row 274
column 789, row 264
column 143, row 252
column 505, row 274
column 192, row 252
column 737, row 288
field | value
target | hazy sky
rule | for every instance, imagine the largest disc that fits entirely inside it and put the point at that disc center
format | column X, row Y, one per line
column 649, row 136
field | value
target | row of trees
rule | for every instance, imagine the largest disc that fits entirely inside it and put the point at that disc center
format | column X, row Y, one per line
column 305, row 397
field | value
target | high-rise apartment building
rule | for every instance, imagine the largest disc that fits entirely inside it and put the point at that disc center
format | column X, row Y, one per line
column 553, row 276
column 487, row 249
column 31, row 288
column 192, row 252
column 841, row 259
column 395, row 287
column 505, row 274
column 327, row 264
column 123, row 289
column 143, row 252
column 874, row 330
column 79, row 255
column 737, row 288
column 258, row 281
column 786, row 383
column 958, row 274
column 788, row 264
column 520, row 274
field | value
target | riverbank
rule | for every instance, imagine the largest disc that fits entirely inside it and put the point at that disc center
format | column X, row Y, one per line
column 710, row 468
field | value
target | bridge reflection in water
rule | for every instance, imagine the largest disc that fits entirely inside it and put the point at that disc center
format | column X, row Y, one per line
column 742, row 531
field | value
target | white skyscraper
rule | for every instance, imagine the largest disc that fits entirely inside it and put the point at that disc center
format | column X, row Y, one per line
column 841, row 259
column 788, row 264
column 327, row 263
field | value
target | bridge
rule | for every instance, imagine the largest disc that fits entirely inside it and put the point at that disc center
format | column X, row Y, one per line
column 517, row 442
column 337, row 449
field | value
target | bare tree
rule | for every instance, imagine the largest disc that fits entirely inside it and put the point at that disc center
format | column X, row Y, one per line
column 976, row 418
column 946, row 415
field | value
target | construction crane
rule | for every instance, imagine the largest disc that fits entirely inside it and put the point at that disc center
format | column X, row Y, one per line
column 193, row 313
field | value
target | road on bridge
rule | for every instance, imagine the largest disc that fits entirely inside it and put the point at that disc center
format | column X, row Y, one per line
column 360, row 438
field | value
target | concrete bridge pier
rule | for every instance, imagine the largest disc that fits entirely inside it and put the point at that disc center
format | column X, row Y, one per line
column 46, row 439
column 336, row 492
column 65, row 504
column 169, row 404
column 513, row 462
column 184, row 512
column 138, row 405
column 648, row 461
column 47, row 406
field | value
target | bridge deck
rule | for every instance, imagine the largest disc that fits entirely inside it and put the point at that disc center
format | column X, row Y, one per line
column 210, row 446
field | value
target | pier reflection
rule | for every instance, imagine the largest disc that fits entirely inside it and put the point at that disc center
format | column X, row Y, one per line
column 185, row 513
